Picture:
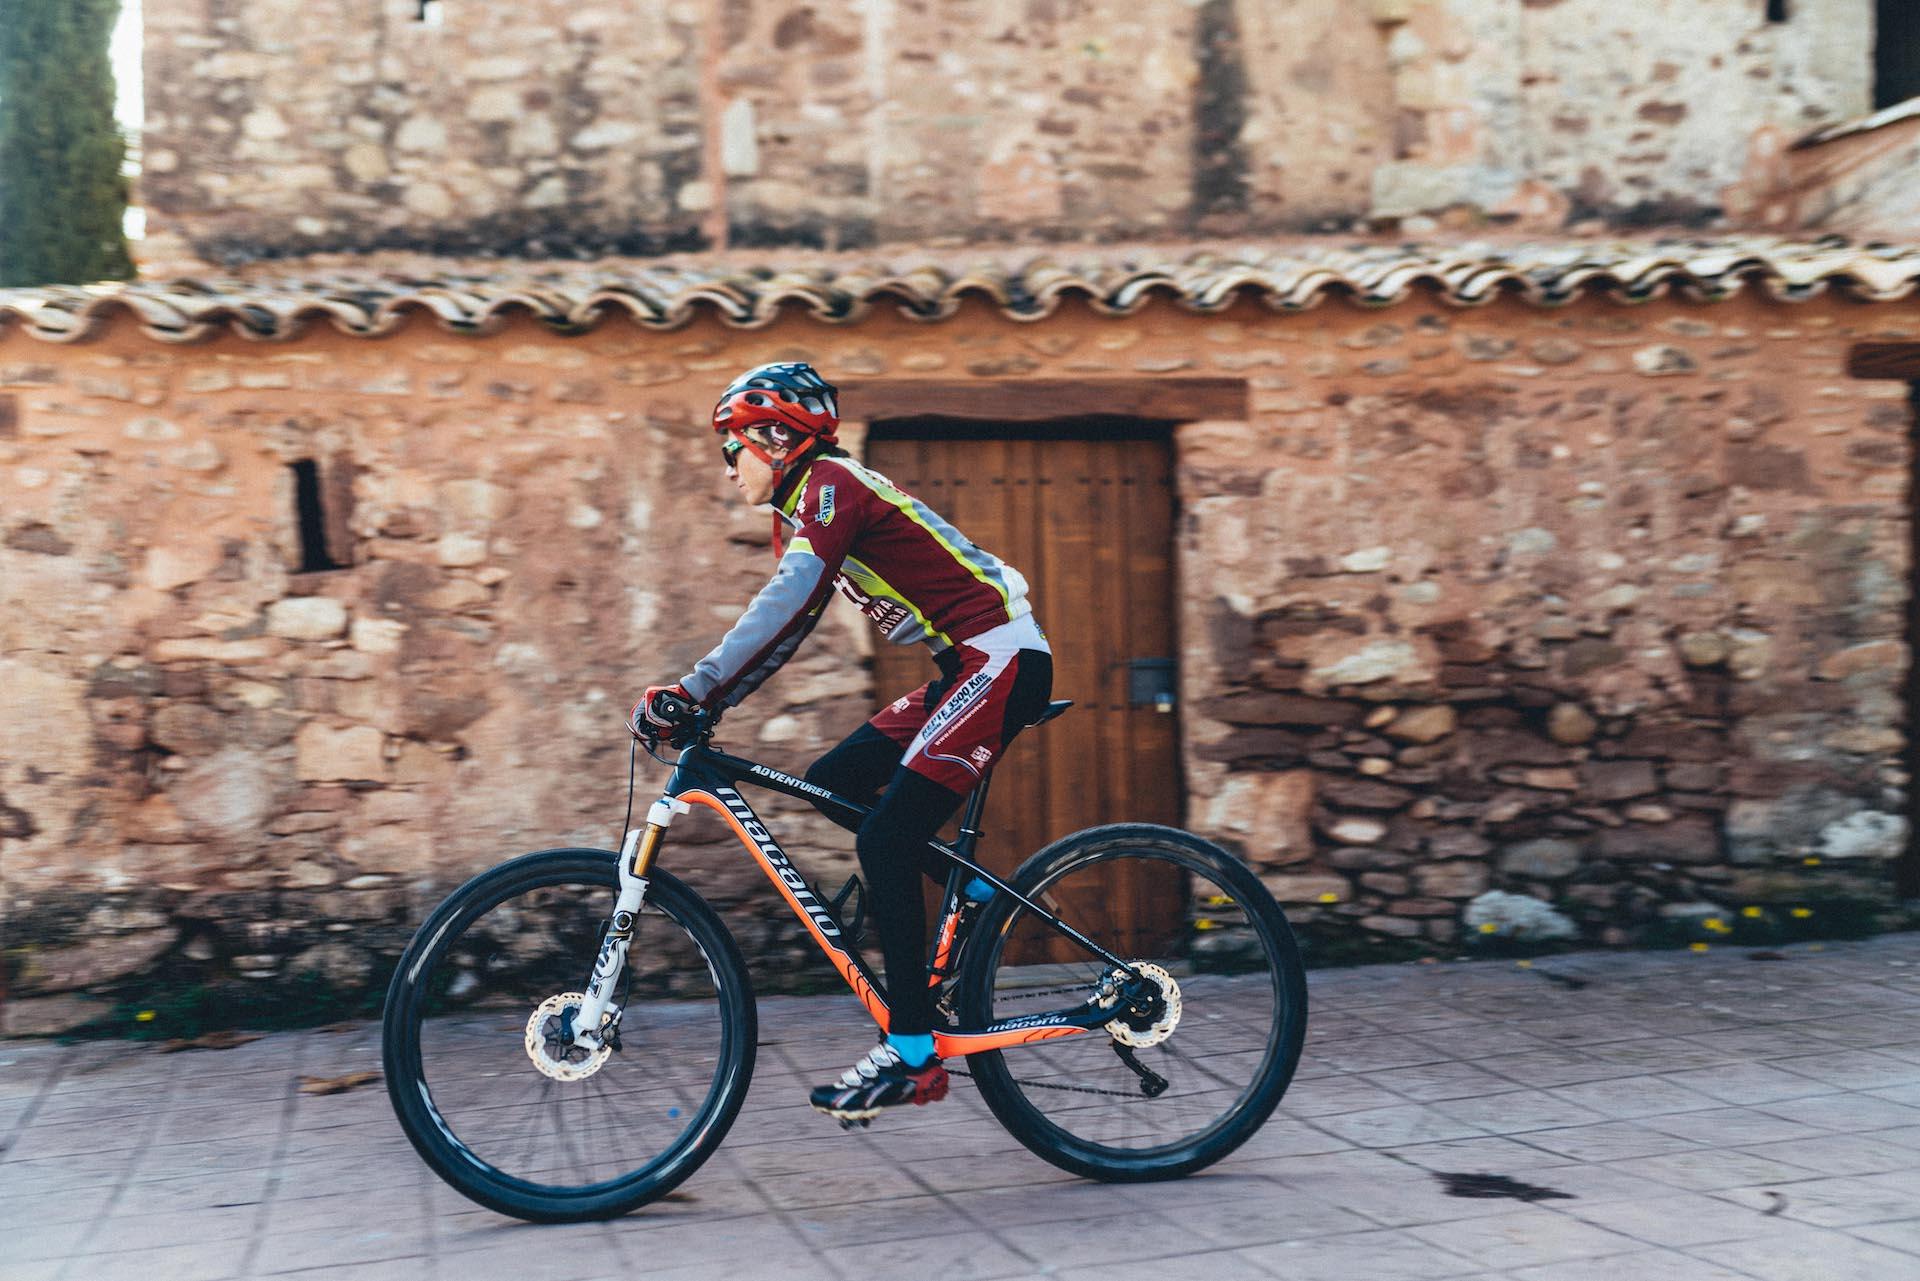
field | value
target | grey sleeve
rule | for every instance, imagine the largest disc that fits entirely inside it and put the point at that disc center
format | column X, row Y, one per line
column 766, row 635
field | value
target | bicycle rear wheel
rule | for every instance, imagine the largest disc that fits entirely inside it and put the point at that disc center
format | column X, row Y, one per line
column 1224, row 1038
column 473, row 1016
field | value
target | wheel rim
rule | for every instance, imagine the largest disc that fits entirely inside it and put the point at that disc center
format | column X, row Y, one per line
column 1231, row 1029
column 472, row 996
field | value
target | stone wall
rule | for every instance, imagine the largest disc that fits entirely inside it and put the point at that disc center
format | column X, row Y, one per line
column 1599, row 606
column 561, row 128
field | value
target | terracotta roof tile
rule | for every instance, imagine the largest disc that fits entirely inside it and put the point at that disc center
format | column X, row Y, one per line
column 363, row 296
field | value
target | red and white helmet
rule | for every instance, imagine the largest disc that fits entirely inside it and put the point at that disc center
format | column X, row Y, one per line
column 794, row 405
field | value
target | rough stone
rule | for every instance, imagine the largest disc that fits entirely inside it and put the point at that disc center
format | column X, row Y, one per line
column 1450, row 880
column 1571, row 725
column 1618, row 780
column 1869, row 834
column 1354, row 830
column 1690, row 840
column 307, row 618
column 1426, row 724
column 1265, row 814
column 228, row 794
column 1883, row 657
column 1364, row 664
column 1516, row 916
column 1544, row 859
column 323, row 752
column 1307, row 887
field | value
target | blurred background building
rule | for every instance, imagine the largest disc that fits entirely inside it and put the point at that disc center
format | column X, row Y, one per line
column 1462, row 447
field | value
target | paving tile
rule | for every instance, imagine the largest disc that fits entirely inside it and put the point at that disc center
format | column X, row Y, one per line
column 193, row 1261
column 1272, row 1216
column 1391, row 1255
column 1647, row 1265
column 1214, row 1265
column 1749, row 1083
column 961, row 1256
column 1902, row 1234
column 1731, row 1127
column 1433, row 1081
column 1629, row 1098
column 1608, row 1141
column 1519, row 1111
column 1329, row 1096
column 1846, row 1112
column 1828, row 1256
column 1854, row 1069
column 1531, row 1235
column 1680, row 1219
column 1710, row 1170
column 1835, row 1202
column 1394, row 1127
column 1839, row 1154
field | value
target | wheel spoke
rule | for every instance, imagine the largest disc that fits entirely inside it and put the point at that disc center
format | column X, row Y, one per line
column 514, row 1137
column 1234, row 1041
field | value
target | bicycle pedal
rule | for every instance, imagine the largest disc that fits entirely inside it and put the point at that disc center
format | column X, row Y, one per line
column 855, row 1122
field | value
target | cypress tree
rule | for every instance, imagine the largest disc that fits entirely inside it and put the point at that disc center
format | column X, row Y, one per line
column 63, row 198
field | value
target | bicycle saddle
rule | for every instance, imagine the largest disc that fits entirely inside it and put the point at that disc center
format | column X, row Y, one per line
column 1053, row 710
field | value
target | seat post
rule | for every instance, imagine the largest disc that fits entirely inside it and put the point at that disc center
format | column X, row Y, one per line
column 970, row 818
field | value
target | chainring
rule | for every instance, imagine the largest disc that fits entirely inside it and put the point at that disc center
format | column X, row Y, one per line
column 1127, row 1032
column 555, row 1056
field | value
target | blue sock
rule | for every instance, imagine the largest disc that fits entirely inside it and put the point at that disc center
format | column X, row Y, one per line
column 979, row 890
column 914, row 1051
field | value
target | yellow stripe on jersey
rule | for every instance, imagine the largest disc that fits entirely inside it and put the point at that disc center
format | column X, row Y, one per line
column 907, row 506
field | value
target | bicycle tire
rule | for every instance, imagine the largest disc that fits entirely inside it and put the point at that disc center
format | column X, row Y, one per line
column 427, row 976
column 1020, row 1105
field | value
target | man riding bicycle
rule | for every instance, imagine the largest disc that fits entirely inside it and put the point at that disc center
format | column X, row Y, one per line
column 842, row 525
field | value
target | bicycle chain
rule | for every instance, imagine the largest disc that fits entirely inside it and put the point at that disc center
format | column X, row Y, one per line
column 1047, row 1085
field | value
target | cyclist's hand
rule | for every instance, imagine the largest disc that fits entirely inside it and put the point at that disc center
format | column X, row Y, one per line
column 661, row 711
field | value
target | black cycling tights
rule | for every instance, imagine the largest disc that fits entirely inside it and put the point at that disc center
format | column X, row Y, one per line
column 905, row 817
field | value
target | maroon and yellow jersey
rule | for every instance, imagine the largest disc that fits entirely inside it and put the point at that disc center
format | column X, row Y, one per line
column 917, row 577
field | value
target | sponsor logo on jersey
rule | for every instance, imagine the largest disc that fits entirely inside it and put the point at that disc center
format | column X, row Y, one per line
column 826, row 505
column 981, row 755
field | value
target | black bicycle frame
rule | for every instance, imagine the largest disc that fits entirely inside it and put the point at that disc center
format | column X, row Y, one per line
column 709, row 775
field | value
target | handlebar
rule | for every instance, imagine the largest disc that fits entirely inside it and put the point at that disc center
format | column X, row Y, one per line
column 696, row 724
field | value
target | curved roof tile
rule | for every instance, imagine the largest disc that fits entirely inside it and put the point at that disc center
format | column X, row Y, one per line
column 278, row 302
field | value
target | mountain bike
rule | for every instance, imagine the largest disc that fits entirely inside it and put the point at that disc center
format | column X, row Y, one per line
column 571, row 1034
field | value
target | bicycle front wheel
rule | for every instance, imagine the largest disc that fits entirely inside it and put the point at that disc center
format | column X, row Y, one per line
column 473, row 1026
column 1173, row 1085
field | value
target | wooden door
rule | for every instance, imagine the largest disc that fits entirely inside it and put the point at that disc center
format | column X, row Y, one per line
column 1084, row 510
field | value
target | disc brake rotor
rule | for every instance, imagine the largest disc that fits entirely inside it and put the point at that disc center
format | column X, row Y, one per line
column 1130, row 1029
column 552, row 1051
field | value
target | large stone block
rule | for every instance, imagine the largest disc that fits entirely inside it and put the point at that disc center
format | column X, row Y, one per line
column 1547, row 858
column 307, row 618
column 323, row 752
column 1265, row 814
column 228, row 794
column 1688, row 839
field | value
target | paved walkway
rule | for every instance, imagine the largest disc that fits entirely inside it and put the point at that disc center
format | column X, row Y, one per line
column 1677, row 1116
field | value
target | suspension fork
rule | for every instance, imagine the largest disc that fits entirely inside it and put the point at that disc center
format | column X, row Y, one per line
column 637, row 853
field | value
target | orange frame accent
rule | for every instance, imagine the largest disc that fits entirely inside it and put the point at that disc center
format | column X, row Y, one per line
column 945, row 1044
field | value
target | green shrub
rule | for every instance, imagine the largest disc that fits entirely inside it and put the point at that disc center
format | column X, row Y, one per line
column 63, row 198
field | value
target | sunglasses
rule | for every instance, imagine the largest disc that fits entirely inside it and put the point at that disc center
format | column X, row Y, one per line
column 730, row 451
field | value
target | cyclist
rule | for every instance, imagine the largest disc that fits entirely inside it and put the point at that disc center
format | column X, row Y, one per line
column 842, row 525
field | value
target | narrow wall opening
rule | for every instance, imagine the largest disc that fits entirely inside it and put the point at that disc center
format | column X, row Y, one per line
column 310, row 518
column 1896, row 53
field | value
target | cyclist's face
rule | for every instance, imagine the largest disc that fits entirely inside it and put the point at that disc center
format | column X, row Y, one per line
column 752, row 477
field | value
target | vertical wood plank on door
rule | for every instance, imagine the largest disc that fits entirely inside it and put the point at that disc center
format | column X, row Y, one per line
column 1088, row 519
